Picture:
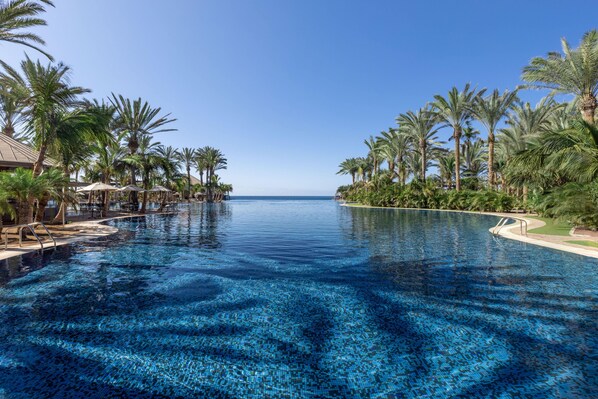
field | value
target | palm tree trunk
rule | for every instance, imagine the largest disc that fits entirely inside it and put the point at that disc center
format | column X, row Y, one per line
column 144, row 203
column 587, row 106
column 41, row 157
column 457, row 136
column 189, row 183
column 424, row 161
column 491, row 177
column 62, row 208
column 8, row 130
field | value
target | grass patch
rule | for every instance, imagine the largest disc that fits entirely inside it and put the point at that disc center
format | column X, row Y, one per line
column 552, row 227
column 592, row 244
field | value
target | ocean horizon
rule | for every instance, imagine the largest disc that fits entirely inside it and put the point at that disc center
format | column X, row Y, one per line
column 281, row 197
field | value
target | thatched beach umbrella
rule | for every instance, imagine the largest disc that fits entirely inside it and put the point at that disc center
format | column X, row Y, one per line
column 159, row 189
column 130, row 188
column 98, row 186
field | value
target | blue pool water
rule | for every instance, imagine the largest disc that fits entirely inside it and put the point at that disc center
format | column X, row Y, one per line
column 299, row 298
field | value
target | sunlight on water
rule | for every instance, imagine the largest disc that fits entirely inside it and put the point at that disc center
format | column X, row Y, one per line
column 278, row 298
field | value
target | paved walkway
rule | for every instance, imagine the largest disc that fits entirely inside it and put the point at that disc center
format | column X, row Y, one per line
column 561, row 243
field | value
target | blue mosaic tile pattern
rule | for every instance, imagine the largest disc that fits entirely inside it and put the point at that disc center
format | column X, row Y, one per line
column 299, row 299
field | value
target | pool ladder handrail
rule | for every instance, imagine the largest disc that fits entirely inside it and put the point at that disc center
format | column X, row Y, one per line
column 503, row 221
column 31, row 227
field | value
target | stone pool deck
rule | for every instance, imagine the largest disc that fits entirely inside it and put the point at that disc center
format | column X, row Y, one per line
column 512, row 231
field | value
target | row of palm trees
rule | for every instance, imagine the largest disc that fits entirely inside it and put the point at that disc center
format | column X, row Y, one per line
column 110, row 140
column 539, row 147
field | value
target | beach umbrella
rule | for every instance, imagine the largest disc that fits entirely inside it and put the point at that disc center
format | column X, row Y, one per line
column 159, row 189
column 98, row 187
column 130, row 188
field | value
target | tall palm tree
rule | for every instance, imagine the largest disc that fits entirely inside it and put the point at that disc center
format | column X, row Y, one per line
column 135, row 120
column 76, row 133
column 170, row 164
column 396, row 143
column 349, row 166
column 46, row 94
column 148, row 162
column 200, row 164
column 421, row 128
column 573, row 72
column 373, row 153
column 214, row 160
column 490, row 110
column 455, row 111
column 187, row 157
column 16, row 16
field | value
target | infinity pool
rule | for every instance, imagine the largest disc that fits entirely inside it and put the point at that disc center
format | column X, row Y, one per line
column 299, row 298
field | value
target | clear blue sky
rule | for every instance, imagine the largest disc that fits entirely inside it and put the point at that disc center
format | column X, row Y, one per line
column 288, row 89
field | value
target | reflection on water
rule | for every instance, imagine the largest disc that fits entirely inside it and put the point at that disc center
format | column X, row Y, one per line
column 271, row 298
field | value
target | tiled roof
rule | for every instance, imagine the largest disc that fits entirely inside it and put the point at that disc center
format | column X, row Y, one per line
column 194, row 180
column 15, row 154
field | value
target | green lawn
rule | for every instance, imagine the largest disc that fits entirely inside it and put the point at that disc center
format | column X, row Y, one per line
column 552, row 227
column 586, row 243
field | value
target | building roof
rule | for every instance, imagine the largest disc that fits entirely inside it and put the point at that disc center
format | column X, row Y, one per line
column 194, row 180
column 14, row 154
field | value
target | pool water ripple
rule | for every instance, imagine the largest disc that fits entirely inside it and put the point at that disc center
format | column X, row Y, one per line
column 293, row 299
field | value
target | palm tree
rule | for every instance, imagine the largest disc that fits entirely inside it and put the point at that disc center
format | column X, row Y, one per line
column 136, row 120
column 149, row 162
column 490, row 111
column 214, row 160
column 455, row 111
column 349, row 166
column 46, row 94
column 446, row 169
column 170, row 164
column 396, row 144
column 11, row 107
column 474, row 157
column 187, row 157
column 573, row 72
column 21, row 185
column 18, row 15
column 200, row 164
column 373, row 153
column 420, row 128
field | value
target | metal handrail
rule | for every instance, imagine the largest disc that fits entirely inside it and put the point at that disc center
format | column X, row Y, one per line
column 31, row 227
column 503, row 221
